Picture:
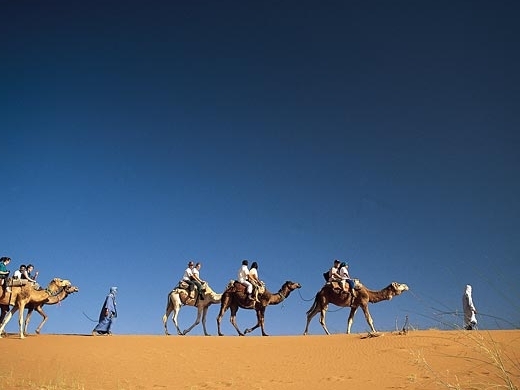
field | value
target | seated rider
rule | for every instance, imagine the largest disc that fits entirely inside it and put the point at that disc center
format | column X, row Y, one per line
column 187, row 277
column 334, row 275
column 4, row 272
column 18, row 273
column 254, row 279
column 345, row 277
column 243, row 274
column 195, row 278
column 26, row 274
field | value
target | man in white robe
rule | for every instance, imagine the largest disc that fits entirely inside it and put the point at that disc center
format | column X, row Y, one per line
column 470, row 321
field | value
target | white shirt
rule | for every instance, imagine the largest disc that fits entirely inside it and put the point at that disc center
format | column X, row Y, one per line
column 187, row 274
column 254, row 272
column 243, row 272
column 17, row 274
column 195, row 272
column 343, row 272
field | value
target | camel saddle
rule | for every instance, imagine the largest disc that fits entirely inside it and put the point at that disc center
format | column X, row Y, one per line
column 236, row 286
column 17, row 282
column 337, row 286
column 185, row 286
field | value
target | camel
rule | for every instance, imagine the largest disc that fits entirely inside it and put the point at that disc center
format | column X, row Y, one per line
column 235, row 296
column 22, row 296
column 178, row 297
column 54, row 299
column 364, row 296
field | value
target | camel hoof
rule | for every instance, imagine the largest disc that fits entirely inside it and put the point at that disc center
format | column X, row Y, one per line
column 185, row 331
column 37, row 331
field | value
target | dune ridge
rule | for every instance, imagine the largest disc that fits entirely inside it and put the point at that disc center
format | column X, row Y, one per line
column 419, row 359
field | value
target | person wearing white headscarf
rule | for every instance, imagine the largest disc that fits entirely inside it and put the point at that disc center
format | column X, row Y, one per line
column 470, row 321
column 107, row 314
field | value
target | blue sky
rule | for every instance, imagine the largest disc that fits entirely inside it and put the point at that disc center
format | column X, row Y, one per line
column 138, row 137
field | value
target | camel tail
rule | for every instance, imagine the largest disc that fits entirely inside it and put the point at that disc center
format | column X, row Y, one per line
column 313, row 307
column 168, row 300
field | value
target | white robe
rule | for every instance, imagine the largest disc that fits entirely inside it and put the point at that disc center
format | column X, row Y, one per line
column 469, row 308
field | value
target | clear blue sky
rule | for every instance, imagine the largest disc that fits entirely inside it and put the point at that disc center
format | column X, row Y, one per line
column 137, row 136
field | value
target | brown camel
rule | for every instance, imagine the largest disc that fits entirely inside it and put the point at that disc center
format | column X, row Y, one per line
column 235, row 296
column 53, row 299
column 363, row 296
column 179, row 297
column 22, row 296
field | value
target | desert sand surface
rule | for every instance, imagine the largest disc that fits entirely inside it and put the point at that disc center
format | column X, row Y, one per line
column 429, row 359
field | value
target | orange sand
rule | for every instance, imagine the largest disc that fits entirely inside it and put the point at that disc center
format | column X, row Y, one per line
column 417, row 360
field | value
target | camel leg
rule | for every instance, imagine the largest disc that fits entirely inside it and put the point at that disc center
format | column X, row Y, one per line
column 174, row 319
column 204, row 313
column 20, row 320
column 165, row 320
column 7, row 319
column 169, row 309
column 259, row 322
column 4, row 309
column 311, row 313
column 368, row 317
column 351, row 318
column 27, row 320
column 323, row 312
column 175, row 301
column 40, row 311
column 233, row 319
column 224, row 305
column 260, row 315
column 197, row 320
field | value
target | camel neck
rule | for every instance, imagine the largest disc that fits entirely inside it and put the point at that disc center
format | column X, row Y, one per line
column 378, row 296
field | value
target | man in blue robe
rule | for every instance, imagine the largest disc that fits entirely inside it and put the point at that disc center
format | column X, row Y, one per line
column 107, row 314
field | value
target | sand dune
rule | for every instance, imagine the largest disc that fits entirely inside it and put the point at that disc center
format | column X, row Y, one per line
column 417, row 360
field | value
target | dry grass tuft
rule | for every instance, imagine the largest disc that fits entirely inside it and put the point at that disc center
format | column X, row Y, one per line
column 494, row 369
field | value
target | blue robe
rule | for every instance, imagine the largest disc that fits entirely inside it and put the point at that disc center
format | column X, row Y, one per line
column 108, row 313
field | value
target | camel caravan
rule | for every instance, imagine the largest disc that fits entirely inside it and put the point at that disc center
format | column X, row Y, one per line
column 236, row 295
column 245, row 292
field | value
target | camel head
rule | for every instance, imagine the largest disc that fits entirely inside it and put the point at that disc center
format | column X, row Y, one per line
column 71, row 289
column 59, row 283
column 291, row 285
column 398, row 288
